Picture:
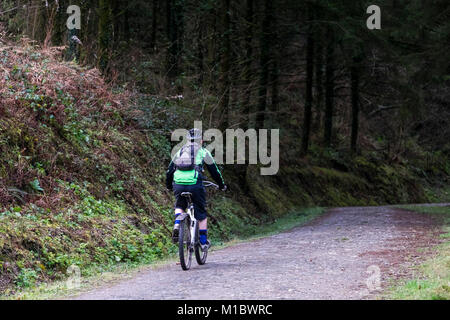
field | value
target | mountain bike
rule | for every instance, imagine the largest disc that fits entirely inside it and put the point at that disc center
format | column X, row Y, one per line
column 188, row 237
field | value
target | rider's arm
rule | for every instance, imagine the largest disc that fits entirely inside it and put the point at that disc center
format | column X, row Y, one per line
column 169, row 175
column 170, row 171
column 213, row 170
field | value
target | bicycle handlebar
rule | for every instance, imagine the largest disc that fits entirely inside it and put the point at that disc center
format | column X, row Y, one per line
column 210, row 184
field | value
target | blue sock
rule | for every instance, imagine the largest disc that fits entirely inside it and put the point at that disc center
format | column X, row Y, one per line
column 203, row 236
column 176, row 220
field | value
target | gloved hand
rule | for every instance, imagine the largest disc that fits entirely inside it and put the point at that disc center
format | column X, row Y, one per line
column 224, row 188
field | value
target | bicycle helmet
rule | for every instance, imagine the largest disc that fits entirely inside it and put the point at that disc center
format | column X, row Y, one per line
column 194, row 135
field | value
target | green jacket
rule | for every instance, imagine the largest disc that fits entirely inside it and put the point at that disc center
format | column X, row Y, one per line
column 190, row 177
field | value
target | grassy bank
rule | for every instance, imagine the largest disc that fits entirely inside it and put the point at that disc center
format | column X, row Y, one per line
column 432, row 278
column 83, row 167
column 99, row 275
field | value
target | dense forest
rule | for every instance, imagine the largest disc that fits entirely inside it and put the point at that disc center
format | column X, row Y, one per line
column 86, row 115
column 312, row 67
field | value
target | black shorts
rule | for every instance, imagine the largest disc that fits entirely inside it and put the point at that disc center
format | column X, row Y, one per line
column 198, row 198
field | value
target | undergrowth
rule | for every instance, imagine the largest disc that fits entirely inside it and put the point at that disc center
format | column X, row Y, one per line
column 83, row 166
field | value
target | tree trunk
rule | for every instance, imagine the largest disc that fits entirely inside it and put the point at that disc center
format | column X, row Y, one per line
column 274, row 72
column 249, row 19
column 35, row 20
column 263, row 65
column 329, row 88
column 354, row 73
column 309, row 83
column 211, row 35
column 126, row 23
column 318, row 57
column 172, row 68
column 154, row 24
column 275, row 91
column 115, row 23
column 59, row 29
column 104, row 34
column 225, row 67
column 175, row 31
column 319, row 84
column 200, row 54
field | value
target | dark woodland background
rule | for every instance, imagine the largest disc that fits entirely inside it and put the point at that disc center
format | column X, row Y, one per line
column 85, row 122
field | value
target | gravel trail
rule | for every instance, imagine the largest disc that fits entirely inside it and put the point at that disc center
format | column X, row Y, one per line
column 347, row 253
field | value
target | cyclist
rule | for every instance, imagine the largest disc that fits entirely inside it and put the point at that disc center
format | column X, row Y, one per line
column 185, row 174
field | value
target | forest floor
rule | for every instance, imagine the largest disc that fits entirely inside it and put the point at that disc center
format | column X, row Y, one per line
column 81, row 174
column 347, row 253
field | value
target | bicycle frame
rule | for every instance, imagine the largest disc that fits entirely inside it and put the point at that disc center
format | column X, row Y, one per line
column 193, row 244
column 190, row 212
column 193, row 226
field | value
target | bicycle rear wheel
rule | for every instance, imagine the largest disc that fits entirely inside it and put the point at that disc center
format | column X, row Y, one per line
column 184, row 244
column 200, row 255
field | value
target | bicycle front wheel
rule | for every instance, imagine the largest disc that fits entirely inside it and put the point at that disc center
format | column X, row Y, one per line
column 184, row 244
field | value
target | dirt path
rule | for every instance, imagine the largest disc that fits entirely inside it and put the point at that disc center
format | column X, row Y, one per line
column 337, row 256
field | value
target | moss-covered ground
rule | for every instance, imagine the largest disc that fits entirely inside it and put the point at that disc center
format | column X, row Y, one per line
column 82, row 172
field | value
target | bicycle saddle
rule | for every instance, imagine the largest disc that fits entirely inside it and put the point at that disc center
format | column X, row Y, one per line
column 186, row 194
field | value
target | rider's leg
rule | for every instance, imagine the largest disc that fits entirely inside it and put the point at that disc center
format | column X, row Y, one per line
column 203, row 225
column 176, row 226
column 178, row 212
column 203, row 231
column 180, row 205
column 199, row 201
